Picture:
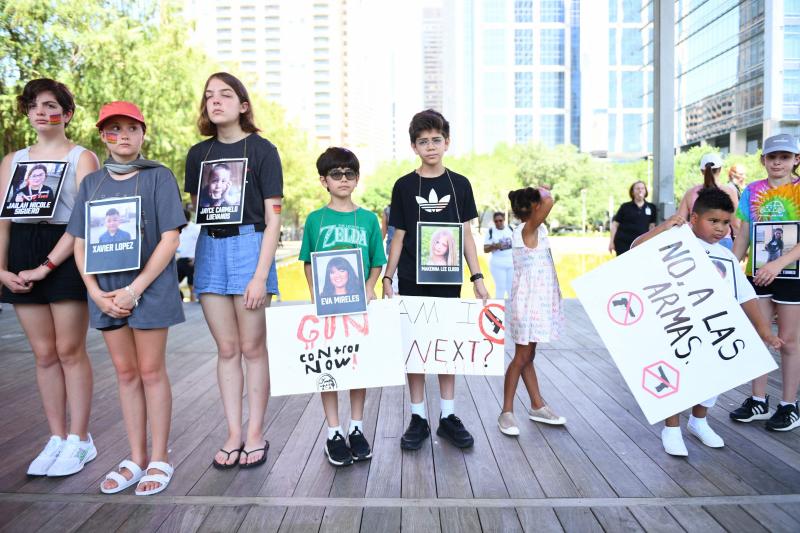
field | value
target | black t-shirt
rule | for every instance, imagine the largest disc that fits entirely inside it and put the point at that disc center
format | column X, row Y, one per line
column 430, row 200
column 264, row 173
column 634, row 220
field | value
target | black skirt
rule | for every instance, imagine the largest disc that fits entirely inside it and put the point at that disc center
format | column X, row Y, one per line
column 28, row 248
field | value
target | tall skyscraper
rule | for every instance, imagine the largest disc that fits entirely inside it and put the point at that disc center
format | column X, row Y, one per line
column 555, row 71
column 332, row 64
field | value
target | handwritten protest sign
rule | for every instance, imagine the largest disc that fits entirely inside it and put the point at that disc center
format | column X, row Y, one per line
column 671, row 324
column 308, row 353
column 452, row 336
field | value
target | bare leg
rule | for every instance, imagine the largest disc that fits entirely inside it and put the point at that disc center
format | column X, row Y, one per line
column 221, row 318
column 151, row 346
column 330, row 404
column 416, row 387
column 447, row 386
column 37, row 323
column 532, row 382
column 253, row 338
column 122, row 348
column 71, row 319
column 523, row 358
column 357, row 398
column 759, row 384
column 699, row 411
column 673, row 421
column 789, row 331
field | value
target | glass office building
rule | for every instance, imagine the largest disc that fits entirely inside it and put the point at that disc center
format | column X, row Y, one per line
column 738, row 72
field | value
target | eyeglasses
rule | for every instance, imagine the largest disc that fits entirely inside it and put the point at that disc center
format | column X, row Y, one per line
column 339, row 174
column 436, row 141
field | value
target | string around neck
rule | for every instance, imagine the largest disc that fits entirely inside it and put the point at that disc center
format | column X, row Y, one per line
column 452, row 187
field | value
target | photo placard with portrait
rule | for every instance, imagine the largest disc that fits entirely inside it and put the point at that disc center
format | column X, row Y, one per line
column 220, row 194
column 338, row 282
column 113, row 235
column 440, row 253
column 33, row 189
column 772, row 240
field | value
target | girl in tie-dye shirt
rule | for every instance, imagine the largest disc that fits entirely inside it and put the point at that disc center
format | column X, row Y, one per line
column 774, row 199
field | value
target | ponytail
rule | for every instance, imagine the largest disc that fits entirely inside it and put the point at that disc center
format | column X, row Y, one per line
column 708, row 177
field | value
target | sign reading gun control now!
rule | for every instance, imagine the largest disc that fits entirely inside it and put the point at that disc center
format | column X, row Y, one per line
column 671, row 324
column 452, row 336
column 308, row 353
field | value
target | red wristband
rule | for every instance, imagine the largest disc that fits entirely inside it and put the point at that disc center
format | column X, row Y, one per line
column 49, row 264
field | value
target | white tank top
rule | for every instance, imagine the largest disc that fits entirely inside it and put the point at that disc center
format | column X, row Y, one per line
column 542, row 244
column 69, row 189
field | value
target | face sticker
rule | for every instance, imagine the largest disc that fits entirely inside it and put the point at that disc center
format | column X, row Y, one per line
column 55, row 119
column 276, row 208
column 111, row 138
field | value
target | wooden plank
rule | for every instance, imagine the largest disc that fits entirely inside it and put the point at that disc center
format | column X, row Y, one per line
column 383, row 480
column 772, row 517
column 616, row 519
column 655, row 519
column 578, row 519
column 734, row 518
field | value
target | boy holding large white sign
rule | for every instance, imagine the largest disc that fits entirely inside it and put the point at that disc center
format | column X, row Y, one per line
column 430, row 193
column 710, row 222
column 341, row 225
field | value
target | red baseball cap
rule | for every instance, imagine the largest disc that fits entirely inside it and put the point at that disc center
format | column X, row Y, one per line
column 120, row 108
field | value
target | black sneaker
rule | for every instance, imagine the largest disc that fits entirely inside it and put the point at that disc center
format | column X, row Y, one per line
column 453, row 430
column 416, row 433
column 359, row 446
column 337, row 451
column 785, row 418
column 751, row 410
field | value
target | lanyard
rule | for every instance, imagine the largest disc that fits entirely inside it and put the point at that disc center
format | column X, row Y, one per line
column 205, row 158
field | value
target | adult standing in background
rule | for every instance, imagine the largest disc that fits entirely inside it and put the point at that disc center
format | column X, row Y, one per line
column 501, row 264
column 736, row 178
column 633, row 218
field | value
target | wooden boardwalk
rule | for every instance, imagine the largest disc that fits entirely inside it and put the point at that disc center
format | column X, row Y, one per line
column 605, row 470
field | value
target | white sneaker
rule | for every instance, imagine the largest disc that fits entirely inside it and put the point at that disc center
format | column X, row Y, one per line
column 47, row 457
column 699, row 428
column 508, row 424
column 672, row 439
column 73, row 456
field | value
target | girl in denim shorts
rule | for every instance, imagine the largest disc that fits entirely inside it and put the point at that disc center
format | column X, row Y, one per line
column 235, row 275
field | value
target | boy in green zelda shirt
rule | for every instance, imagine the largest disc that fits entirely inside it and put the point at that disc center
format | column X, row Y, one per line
column 340, row 225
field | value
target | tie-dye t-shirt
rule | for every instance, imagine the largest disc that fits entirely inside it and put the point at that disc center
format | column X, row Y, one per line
column 762, row 203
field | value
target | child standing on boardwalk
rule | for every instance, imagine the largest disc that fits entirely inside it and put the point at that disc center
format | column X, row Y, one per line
column 434, row 194
column 235, row 274
column 39, row 277
column 774, row 199
column 135, row 308
column 536, row 314
column 710, row 221
column 342, row 224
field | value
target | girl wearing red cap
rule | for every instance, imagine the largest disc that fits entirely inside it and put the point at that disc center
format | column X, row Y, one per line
column 39, row 277
column 235, row 275
column 134, row 308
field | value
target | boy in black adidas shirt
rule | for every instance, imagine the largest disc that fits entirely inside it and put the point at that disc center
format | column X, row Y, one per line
column 431, row 193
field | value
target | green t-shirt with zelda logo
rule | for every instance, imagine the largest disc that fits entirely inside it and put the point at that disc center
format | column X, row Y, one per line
column 326, row 229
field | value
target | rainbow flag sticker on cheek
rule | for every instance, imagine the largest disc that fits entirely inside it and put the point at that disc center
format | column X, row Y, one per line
column 276, row 208
column 111, row 138
column 55, row 119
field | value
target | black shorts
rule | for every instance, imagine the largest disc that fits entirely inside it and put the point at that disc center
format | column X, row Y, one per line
column 185, row 270
column 28, row 247
column 780, row 291
column 406, row 287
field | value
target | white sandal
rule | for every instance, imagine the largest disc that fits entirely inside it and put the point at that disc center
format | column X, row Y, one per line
column 162, row 479
column 121, row 481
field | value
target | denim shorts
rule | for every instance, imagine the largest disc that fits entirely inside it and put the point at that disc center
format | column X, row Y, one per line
column 226, row 266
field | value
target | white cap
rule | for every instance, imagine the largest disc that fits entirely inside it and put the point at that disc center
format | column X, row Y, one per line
column 714, row 158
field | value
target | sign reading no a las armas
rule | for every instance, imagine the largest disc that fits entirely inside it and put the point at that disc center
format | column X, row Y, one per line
column 672, row 324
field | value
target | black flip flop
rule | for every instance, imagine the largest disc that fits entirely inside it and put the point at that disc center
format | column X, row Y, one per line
column 260, row 461
column 226, row 466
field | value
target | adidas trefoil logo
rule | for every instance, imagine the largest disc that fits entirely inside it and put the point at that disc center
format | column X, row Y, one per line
column 433, row 204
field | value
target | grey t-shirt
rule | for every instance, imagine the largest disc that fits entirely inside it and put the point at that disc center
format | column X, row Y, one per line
column 160, row 305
